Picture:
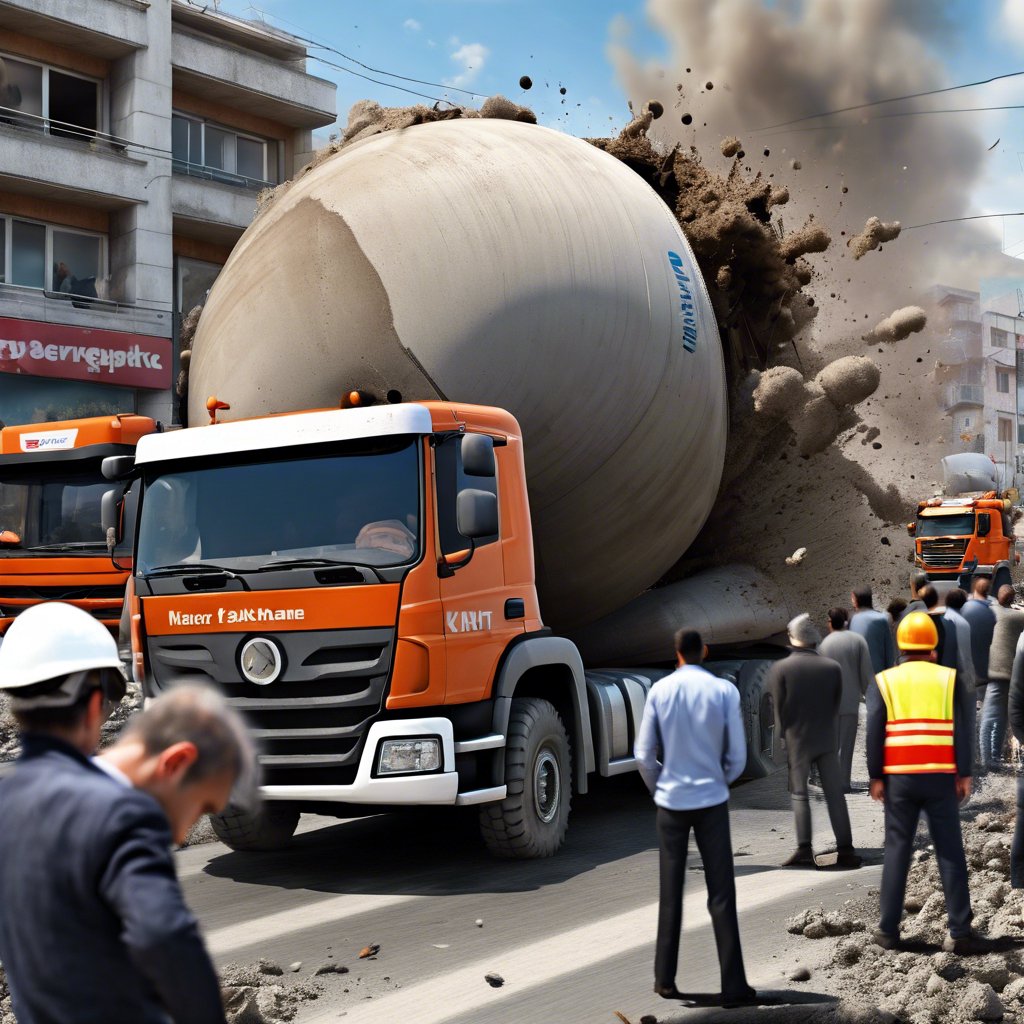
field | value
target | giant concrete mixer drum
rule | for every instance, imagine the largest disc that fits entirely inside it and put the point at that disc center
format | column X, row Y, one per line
column 503, row 264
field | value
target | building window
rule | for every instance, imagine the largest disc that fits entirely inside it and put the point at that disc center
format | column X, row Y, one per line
column 38, row 96
column 1020, row 433
column 1005, row 429
column 1000, row 338
column 195, row 279
column 1003, row 382
column 26, row 399
column 222, row 154
column 967, row 423
column 54, row 258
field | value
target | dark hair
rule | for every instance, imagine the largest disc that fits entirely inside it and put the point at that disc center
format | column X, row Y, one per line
column 981, row 585
column 1008, row 592
column 918, row 579
column 897, row 606
column 690, row 646
column 863, row 596
column 929, row 595
column 956, row 599
column 55, row 719
column 838, row 617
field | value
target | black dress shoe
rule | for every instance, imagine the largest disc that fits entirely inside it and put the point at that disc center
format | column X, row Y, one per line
column 748, row 997
column 668, row 992
column 848, row 858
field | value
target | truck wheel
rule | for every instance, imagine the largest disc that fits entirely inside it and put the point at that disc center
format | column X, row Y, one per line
column 1001, row 577
column 764, row 752
column 532, row 819
column 268, row 828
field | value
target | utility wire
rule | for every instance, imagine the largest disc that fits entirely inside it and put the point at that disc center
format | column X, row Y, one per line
column 957, row 220
column 882, row 117
column 892, row 99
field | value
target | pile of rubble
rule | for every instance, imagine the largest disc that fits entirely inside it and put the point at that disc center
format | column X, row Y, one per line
column 258, row 994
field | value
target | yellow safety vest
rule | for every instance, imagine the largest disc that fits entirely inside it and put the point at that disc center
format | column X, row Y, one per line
column 918, row 699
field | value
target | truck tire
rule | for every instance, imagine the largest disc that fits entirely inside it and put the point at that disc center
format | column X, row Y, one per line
column 532, row 819
column 764, row 751
column 268, row 828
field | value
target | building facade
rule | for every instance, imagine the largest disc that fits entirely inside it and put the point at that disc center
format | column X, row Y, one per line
column 982, row 360
column 135, row 136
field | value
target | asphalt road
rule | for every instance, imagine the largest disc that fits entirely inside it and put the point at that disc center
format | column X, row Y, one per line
column 572, row 936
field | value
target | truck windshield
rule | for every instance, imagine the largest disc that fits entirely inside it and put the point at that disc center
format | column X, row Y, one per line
column 946, row 526
column 357, row 507
column 57, row 511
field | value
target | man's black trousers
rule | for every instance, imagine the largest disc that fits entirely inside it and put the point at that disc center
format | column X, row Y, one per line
column 711, row 829
column 906, row 796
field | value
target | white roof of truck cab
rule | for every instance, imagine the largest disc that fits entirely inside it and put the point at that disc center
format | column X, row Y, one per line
column 271, row 432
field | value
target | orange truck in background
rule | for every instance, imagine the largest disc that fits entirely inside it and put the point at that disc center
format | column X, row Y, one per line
column 957, row 538
column 359, row 582
column 52, row 543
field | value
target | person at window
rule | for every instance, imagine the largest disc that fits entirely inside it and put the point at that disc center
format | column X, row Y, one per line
column 388, row 535
column 63, row 279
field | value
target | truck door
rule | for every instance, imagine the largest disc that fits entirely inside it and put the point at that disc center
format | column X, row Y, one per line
column 473, row 597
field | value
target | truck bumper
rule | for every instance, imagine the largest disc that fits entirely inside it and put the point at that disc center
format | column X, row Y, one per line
column 439, row 787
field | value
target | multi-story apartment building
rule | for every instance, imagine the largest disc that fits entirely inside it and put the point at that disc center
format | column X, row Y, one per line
column 134, row 138
column 982, row 355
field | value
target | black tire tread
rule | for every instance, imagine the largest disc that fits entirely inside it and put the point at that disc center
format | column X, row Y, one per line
column 268, row 828
column 503, row 825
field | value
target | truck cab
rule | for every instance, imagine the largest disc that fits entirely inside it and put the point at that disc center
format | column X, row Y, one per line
column 964, row 536
column 52, row 543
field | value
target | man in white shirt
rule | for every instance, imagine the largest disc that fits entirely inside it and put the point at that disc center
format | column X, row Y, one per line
column 690, row 747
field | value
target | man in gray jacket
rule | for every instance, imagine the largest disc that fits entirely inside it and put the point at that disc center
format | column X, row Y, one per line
column 875, row 627
column 806, row 690
column 955, row 601
column 1008, row 628
column 850, row 651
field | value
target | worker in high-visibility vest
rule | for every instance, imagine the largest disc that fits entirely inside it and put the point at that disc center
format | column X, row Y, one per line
column 919, row 746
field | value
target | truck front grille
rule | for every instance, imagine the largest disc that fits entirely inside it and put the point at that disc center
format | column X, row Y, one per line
column 944, row 554
column 310, row 723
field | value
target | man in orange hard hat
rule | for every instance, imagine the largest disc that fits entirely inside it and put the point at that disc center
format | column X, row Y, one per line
column 919, row 746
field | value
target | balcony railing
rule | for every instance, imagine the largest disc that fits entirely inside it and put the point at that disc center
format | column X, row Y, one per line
column 964, row 394
column 57, row 307
column 11, row 117
column 222, row 177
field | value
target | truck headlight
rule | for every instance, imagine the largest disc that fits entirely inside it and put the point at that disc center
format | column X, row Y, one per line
column 404, row 756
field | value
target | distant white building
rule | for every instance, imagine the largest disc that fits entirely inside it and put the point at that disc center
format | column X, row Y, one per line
column 982, row 352
column 134, row 137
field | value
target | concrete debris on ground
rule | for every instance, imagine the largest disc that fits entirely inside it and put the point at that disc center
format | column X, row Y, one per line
column 935, row 987
column 874, row 234
column 797, row 557
column 367, row 951
column 899, row 325
column 255, row 994
column 494, row 980
column 6, row 1010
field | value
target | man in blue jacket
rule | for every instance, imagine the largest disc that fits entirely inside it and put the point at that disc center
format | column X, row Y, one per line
column 93, row 925
column 690, row 747
column 875, row 627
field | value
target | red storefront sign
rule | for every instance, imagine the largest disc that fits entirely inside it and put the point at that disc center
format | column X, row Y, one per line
column 78, row 353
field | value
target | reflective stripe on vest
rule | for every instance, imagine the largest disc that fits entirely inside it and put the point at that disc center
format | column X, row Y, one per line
column 918, row 699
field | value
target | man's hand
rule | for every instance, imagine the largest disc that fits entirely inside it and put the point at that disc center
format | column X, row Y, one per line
column 963, row 788
column 877, row 789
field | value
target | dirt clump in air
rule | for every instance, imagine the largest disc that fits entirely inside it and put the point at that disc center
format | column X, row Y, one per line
column 898, row 325
column 849, row 380
column 731, row 146
column 874, row 234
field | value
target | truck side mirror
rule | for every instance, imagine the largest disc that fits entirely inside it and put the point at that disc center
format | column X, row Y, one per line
column 476, row 513
column 478, row 456
column 117, row 467
column 110, row 512
column 984, row 524
column 912, row 528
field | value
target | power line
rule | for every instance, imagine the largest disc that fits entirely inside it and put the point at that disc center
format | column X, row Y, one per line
column 863, row 123
column 892, row 99
column 957, row 220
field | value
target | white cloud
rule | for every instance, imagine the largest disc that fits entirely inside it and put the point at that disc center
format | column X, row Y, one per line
column 1012, row 19
column 411, row 25
column 471, row 58
column 431, row 43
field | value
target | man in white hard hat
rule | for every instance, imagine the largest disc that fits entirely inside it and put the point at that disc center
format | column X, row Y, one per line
column 93, row 924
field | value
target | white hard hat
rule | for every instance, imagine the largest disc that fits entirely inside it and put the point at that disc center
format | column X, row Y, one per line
column 60, row 643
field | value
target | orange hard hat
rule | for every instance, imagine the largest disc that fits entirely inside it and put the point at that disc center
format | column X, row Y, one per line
column 917, row 632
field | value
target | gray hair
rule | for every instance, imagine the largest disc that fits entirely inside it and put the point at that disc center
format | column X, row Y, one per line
column 198, row 714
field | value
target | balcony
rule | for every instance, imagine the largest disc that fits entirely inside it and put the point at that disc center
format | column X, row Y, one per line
column 250, row 82
column 78, row 311
column 964, row 394
column 102, row 28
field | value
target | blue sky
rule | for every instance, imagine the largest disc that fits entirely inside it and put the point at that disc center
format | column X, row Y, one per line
column 486, row 45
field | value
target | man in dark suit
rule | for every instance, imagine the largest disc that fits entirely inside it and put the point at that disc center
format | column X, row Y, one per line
column 806, row 689
column 93, row 925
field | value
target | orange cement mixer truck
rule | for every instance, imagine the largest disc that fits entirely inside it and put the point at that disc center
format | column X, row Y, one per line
column 414, row 598
column 52, row 544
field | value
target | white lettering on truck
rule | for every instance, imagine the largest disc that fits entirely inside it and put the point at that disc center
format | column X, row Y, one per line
column 234, row 616
column 468, row 622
